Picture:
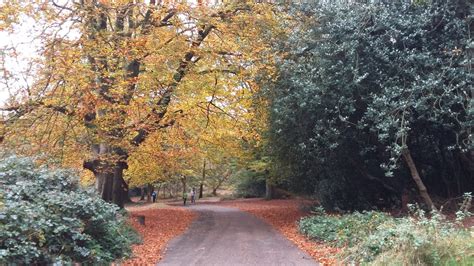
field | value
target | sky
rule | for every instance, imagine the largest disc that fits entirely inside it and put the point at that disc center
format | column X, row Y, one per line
column 25, row 46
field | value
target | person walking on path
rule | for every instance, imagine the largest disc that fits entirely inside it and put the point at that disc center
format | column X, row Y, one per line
column 153, row 195
column 185, row 197
column 193, row 196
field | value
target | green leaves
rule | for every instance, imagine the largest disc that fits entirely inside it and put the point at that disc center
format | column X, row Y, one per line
column 377, row 238
column 47, row 217
column 360, row 83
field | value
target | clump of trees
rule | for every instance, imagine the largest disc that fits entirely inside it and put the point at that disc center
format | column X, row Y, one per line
column 46, row 217
column 110, row 76
column 374, row 101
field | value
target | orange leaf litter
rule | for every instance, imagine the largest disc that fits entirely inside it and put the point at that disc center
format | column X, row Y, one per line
column 283, row 216
column 161, row 225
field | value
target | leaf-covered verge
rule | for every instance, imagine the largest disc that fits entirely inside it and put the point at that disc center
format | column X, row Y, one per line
column 47, row 217
column 376, row 238
column 162, row 223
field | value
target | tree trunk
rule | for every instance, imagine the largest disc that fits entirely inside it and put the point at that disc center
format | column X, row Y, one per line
column 158, row 191
column 142, row 197
column 149, row 191
column 416, row 177
column 183, row 182
column 108, row 172
column 110, row 184
column 268, row 189
column 201, row 186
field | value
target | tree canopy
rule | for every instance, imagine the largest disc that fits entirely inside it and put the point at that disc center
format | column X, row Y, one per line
column 366, row 90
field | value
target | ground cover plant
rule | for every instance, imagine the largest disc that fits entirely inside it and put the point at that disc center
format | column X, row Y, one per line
column 47, row 217
column 377, row 238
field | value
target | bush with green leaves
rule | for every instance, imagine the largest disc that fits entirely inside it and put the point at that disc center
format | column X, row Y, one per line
column 47, row 217
column 345, row 230
column 377, row 238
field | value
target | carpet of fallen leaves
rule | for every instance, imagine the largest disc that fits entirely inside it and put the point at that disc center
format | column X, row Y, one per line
column 283, row 216
column 161, row 225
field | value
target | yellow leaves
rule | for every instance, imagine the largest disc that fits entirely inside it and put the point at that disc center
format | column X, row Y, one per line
column 212, row 108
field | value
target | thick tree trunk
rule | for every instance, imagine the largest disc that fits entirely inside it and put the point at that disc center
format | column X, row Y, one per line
column 416, row 177
column 110, row 184
column 118, row 188
column 108, row 172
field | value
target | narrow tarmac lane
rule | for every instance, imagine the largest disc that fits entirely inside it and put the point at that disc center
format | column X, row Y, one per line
column 228, row 236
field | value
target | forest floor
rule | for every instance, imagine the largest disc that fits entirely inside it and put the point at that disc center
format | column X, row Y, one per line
column 165, row 221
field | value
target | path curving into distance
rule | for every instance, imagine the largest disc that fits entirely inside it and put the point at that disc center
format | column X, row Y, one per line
column 228, row 236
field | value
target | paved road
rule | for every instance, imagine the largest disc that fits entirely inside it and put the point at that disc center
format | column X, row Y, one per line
column 227, row 236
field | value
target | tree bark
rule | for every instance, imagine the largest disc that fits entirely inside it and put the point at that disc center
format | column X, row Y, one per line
column 201, row 186
column 149, row 191
column 142, row 197
column 268, row 189
column 183, row 182
column 416, row 177
column 109, row 181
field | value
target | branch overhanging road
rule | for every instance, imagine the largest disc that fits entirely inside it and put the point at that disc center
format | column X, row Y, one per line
column 228, row 236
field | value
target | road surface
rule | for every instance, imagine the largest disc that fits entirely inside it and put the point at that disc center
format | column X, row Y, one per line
column 228, row 236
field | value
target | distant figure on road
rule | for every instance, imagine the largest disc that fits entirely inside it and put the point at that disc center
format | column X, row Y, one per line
column 153, row 195
column 193, row 195
column 185, row 197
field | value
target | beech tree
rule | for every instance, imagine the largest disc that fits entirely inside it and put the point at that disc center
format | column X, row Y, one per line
column 110, row 72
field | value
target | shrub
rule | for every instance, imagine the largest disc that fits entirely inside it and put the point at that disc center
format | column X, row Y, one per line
column 378, row 239
column 416, row 240
column 46, row 217
column 345, row 230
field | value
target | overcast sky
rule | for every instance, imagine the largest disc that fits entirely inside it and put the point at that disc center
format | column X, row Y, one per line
column 25, row 47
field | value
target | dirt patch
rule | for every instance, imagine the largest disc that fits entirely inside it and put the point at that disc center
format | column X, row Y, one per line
column 162, row 223
column 283, row 216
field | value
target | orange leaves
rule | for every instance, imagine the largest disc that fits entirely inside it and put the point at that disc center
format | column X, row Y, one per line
column 161, row 225
column 283, row 215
